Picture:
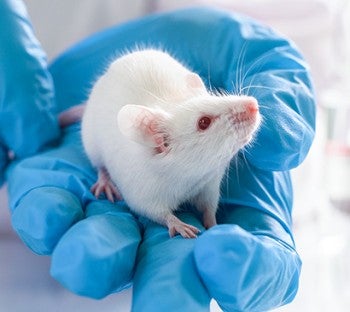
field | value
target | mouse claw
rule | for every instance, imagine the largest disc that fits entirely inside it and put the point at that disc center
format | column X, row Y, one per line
column 176, row 226
column 111, row 192
column 105, row 185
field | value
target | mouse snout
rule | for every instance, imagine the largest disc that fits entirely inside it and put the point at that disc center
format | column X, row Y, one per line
column 248, row 112
column 251, row 106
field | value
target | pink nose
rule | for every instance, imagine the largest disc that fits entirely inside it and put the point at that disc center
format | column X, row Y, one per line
column 249, row 112
column 252, row 106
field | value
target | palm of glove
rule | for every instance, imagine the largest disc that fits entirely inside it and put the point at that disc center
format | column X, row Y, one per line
column 99, row 248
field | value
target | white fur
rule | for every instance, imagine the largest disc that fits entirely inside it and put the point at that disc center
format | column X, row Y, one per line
column 192, row 163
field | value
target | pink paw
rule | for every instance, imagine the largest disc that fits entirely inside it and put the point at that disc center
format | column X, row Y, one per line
column 105, row 185
column 111, row 192
column 175, row 226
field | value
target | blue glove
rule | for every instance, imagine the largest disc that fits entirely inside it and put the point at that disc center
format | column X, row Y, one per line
column 3, row 162
column 248, row 262
column 27, row 122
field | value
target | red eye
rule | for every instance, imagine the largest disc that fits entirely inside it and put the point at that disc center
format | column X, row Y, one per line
column 204, row 123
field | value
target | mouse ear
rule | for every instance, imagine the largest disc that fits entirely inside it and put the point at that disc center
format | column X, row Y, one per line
column 143, row 125
column 194, row 81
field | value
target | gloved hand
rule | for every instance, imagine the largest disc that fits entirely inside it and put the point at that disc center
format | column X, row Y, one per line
column 27, row 121
column 248, row 262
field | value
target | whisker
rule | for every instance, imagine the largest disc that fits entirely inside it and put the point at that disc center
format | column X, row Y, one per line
column 249, row 87
column 264, row 106
column 209, row 79
column 242, row 69
column 262, row 87
column 227, row 179
column 236, row 164
column 239, row 69
column 260, row 59
column 244, row 156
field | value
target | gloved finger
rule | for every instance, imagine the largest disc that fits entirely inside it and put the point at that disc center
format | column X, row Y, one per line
column 166, row 278
column 102, row 250
column 64, row 166
column 248, row 267
column 276, row 74
column 27, row 120
column 268, row 191
column 43, row 215
column 49, row 191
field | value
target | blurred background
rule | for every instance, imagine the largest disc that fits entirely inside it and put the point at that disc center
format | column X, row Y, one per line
column 321, row 29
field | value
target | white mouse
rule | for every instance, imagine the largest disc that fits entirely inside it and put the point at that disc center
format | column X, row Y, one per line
column 159, row 138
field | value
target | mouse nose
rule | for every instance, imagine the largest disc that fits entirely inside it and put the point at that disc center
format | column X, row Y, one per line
column 252, row 106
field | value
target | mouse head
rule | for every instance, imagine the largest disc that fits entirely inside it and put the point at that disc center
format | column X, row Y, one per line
column 216, row 127
column 202, row 130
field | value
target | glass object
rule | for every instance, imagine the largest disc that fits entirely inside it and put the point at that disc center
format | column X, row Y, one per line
column 338, row 153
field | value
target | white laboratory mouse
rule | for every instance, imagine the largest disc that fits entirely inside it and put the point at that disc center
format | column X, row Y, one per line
column 159, row 138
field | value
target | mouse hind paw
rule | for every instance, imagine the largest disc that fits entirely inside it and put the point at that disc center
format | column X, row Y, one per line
column 176, row 226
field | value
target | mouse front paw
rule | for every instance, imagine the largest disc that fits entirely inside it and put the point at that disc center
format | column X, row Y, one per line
column 105, row 185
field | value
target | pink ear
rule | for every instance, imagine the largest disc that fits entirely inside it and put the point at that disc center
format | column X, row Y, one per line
column 143, row 125
column 152, row 128
column 194, row 81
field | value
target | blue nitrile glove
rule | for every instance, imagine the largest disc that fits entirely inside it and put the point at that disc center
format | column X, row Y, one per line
column 27, row 122
column 3, row 162
column 247, row 264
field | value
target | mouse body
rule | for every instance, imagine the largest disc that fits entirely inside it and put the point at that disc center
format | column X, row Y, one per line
column 159, row 138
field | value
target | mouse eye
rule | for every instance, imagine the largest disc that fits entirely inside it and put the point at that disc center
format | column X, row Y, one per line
column 204, row 123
